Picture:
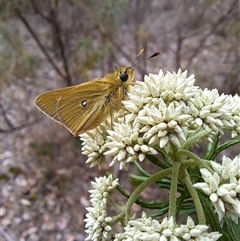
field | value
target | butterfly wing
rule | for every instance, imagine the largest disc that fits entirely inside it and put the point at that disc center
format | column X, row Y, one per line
column 79, row 108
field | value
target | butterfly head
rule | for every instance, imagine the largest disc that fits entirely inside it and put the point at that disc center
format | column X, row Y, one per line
column 125, row 74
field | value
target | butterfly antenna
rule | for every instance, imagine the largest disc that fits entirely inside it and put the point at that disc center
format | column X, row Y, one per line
column 140, row 52
column 152, row 56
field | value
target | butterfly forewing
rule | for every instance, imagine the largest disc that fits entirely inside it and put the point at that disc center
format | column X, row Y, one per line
column 78, row 108
column 47, row 102
column 80, row 115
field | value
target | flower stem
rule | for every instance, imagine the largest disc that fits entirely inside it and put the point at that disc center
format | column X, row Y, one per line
column 199, row 208
column 194, row 138
column 196, row 159
column 134, row 196
column 173, row 189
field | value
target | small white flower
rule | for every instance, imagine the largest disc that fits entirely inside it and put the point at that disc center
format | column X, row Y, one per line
column 223, row 187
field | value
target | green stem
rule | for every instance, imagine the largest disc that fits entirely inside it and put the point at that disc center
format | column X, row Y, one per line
column 173, row 189
column 194, row 139
column 197, row 160
column 143, row 172
column 115, row 205
column 199, row 208
column 134, row 196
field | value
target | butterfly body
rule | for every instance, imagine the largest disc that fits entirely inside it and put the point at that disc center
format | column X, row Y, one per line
column 83, row 107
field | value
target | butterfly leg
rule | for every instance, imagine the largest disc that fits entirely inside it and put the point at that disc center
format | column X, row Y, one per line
column 111, row 115
column 122, row 93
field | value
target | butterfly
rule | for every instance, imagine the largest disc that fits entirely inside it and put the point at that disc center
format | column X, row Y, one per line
column 83, row 107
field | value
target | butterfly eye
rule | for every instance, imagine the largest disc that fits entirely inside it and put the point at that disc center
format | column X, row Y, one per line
column 123, row 77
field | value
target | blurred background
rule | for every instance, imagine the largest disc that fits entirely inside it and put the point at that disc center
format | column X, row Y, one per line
column 56, row 43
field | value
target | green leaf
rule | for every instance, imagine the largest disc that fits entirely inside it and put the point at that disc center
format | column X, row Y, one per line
column 211, row 216
column 179, row 202
column 212, row 148
column 141, row 170
column 163, row 205
column 136, row 180
column 153, row 159
column 164, row 183
column 167, row 160
column 195, row 174
column 159, row 212
column 226, row 145
column 230, row 230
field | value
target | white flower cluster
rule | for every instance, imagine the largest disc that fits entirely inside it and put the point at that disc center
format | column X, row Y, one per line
column 234, row 103
column 98, row 224
column 223, row 187
column 215, row 113
column 147, row 229
column 93, row 145
column 157, row 109
column 161, row 113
